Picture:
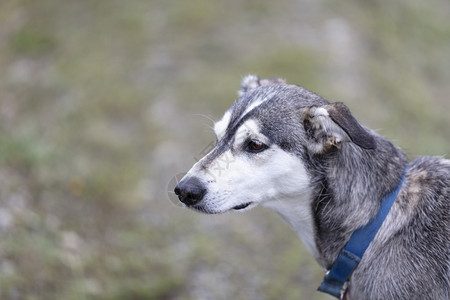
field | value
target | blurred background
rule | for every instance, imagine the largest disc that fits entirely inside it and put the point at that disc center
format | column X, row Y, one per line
column 104, row 103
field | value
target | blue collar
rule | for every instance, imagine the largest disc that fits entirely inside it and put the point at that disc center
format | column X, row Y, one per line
column 351, row 254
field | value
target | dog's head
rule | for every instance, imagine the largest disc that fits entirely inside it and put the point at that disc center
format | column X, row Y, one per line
column 264, row 146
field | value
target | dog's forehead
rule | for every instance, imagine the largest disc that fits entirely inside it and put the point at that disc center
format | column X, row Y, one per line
column 272, row 102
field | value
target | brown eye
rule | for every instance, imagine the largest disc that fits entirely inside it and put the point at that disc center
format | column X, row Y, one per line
column 255, row 146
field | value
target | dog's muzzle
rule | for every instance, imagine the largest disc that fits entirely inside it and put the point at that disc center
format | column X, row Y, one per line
column 190, row 191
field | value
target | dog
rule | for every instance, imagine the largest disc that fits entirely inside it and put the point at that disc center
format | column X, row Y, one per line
column 286, row 148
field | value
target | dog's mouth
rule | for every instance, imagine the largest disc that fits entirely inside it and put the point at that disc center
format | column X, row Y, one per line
column 242, row 206
column 205, row 210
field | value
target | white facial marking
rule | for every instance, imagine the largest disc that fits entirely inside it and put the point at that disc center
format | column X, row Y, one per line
column 249, row 129
column 273, row 178
column 256, row 103
column 221, row 126
column 253, row 105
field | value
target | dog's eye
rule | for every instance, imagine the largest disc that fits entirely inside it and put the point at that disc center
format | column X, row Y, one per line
column 255, row 146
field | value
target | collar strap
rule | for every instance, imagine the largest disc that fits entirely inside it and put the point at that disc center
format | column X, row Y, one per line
column 350, row 256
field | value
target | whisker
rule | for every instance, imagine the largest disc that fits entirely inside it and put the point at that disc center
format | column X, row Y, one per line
column 210, row 127
column 206, row 117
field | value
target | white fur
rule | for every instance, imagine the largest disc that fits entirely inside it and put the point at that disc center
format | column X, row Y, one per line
column 273, row 178
column 255, row 104
column 250, row 129
column 252, row 106
column 321, row 112
column 220, row 127
column 296, row 211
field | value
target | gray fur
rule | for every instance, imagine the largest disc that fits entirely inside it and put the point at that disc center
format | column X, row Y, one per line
column 410, row 256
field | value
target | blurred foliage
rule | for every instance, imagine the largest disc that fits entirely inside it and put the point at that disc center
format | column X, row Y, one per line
column 103, row 102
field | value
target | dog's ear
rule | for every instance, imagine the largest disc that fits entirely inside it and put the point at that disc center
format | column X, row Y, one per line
column 330, row 125
column 251, row 82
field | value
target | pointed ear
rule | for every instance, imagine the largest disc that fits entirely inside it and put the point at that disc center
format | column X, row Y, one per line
column 251, row 82
column 330, row 125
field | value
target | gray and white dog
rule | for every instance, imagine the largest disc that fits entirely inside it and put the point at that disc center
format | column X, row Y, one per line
column 325, row 174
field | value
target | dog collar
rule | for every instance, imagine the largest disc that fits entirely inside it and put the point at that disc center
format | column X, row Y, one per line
column 350, row 256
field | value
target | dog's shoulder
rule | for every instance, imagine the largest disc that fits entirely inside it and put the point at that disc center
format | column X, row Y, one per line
column 417, row 239
column 430, row 173
column 427, row 188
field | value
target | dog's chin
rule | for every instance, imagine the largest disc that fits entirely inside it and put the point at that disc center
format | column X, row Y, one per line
column 207, row 210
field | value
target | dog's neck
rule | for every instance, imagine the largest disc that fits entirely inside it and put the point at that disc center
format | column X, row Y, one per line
column 349, row 193
column 344, row 197
column 297, row 214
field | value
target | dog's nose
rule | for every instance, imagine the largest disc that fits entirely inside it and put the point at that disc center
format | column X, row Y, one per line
column 190, row 191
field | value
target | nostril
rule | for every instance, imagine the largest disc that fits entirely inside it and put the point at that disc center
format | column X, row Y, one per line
column 177, row 191
column 190, row 191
